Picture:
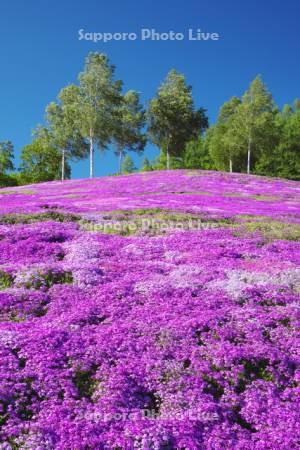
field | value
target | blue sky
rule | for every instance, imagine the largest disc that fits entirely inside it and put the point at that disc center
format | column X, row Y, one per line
column 40, row 53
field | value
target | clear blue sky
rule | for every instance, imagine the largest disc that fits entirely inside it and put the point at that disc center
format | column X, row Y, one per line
column 40, row 53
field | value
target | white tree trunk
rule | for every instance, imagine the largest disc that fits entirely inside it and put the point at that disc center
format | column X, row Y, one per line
column 168, row 159
column 249, row 155
column 120, row 161
column 91, row 155
column 63, row 164
column 230, row 165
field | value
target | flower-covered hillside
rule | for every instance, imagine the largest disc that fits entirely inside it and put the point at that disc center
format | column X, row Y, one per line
column 213, row 193
column 150, row 311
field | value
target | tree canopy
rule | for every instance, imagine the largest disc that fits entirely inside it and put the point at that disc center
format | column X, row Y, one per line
column 172, row 117
column 6, row 157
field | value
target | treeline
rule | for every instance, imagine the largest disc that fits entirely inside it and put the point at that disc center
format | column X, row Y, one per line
column 251, row 134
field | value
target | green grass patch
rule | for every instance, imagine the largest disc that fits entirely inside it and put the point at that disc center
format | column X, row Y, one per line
column 6, row 280
column 236, row 195
column 274, row 230
column 12, row 219
column 149, row 193
column 213, row 387
column 195, row 173
column 253, row 370
column 85, row 382
column 49, row 279
column 27, row 192
column 264, row 198
column 253, row 217
column 152, row 223
column 162, row 214
column 259, row 197
column 133, row 212
column 192, row 193
column 144, row 211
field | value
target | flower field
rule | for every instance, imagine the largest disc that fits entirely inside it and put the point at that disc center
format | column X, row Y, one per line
column 158, row 310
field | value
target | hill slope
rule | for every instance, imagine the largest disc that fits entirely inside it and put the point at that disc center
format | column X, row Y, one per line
column 150, row 311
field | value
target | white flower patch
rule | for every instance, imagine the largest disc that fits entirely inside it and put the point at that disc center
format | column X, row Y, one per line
column 133, row 249
column 82, row 260
column 238, row 280
column 185, row 276
column 173, row 256
column 8, row 338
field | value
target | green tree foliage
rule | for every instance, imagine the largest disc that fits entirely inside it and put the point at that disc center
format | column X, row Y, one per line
column 128, row 165
column 297, row 105
column 6, row 164
column 64, row 135
column 8, row 180
column 223, row 150
column 284, row 159
column 128, row 134
column 246, row 131
column 146, row 166
column 172, row 118
column 289, row 148
column 196, row 156
column 253, row 122
column 162, row 161
column 94, row 103
column 41, row 162
column 251, row 133
column 6, row 157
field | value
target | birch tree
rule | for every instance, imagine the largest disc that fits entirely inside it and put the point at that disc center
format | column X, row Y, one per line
column 98, row 101
column 172, row 118
column 250, row 119
column 64, row 134
column 222, row 147
column 94, row 104
column 40, row 160
column 128, row 134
